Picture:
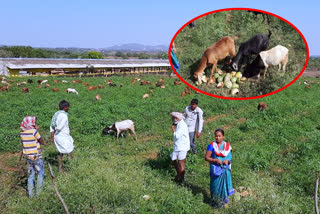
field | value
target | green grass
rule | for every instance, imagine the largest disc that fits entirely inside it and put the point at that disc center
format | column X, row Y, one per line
column 110, row 176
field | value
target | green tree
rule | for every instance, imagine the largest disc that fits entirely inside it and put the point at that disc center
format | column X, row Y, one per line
column 94, row 55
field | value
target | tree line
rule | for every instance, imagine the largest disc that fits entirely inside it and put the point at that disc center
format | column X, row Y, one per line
column 30, row 52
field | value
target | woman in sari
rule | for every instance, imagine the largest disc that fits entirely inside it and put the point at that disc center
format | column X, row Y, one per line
column 219, row 155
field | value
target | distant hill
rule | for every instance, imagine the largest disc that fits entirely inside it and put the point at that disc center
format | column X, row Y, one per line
column 134, row 47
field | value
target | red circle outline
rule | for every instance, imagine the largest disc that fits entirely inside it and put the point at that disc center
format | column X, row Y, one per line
column 237, row 98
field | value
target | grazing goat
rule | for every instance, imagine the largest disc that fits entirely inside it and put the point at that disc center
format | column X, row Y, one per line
column 275, row 56
column 120, row 127
column 25, row 90
column 218, row 51
column 145, row 96
column 43, row 81
column 71, row 90
column 100, row 86
column 76, row 81
column 177, row 82
column 4, row 88
column 254, row 45
column 55, row 89
column 86, row 83
column 56, row 81
column 47, row 85
column 64, row 81
column 262, row 106
column 90, row 88
column 98, row 97
column 30, row 81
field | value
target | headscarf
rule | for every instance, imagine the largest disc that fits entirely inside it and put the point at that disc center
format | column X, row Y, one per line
column 28, row 122
column 177, row 115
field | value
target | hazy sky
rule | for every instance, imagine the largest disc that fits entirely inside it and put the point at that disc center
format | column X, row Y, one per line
column 103, row 23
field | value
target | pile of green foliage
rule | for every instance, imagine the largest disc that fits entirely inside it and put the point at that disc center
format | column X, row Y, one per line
column 275, row 152
column 240, row 25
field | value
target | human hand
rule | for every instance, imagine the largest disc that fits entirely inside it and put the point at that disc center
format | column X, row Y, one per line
column 225, row 162
column 219, row 162
column 198, row 134
column 173, row 127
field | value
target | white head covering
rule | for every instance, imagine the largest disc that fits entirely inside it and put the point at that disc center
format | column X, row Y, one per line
column 177, row 115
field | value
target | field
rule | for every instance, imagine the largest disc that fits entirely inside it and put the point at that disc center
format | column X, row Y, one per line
column 275, row 152
column 241, row 26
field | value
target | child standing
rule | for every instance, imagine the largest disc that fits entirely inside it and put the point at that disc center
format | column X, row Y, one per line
column 31, row 140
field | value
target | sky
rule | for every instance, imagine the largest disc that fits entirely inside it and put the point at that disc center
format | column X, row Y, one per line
column 103, row 23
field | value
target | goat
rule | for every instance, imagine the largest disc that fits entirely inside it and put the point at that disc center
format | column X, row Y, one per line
column 254, row 45
column 275, row 56
column 43, row 81
column 90, row 88
column 64, row 81
column 218, row 51
column 25, row 90
column 100, row 86
column 262, row 106
column 30, row 81
column 86, row 83
column 145, row 96
column 71, row 90
column 56, row 81
column 55, row 89
column 4, row 88
column 47, row 85
column 76, row 81
column 187, row 90
column 177, row 82
column 119, row 127
column 98, row 97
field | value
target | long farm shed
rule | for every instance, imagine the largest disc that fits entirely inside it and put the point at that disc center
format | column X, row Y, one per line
column 36, row 66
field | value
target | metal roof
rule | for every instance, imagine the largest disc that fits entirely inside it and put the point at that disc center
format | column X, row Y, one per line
column 25, row 63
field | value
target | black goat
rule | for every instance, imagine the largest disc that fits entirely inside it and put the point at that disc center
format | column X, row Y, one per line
column 192, row 24
column 254, row 45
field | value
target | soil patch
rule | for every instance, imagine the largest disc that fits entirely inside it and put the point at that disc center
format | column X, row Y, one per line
column 311, row 73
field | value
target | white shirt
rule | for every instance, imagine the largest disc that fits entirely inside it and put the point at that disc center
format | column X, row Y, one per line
column 191, row 119
column 181, row 137
column 62, row 137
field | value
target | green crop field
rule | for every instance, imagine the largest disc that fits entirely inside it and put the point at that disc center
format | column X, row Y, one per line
column 275, row 152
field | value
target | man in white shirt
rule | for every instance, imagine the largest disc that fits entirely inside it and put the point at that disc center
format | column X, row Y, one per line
column 60, row 132
column 181, row 144
column 194, row 121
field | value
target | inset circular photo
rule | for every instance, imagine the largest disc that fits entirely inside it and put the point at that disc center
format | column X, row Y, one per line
column 238, row 53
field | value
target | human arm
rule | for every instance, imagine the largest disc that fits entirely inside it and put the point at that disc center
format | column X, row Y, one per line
column 200, row 115
column 228, row 159
column 38, row 137
column 174, row 47
column 173, row 127
column 61, row 122
column 212, row 160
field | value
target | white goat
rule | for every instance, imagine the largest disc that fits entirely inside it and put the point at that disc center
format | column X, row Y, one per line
column 275, row 56
column 72, row 90
column 43, row 81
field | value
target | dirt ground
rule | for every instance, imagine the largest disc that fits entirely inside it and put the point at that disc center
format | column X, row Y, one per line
column 311, row 73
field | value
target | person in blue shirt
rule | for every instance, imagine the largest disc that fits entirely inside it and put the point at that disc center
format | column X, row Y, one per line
column 219, row 155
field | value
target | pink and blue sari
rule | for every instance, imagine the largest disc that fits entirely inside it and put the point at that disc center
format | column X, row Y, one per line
column 220, row 175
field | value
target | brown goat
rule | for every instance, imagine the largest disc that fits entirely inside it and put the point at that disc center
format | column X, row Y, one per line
column 90, row 88
column 47, row 85
column 86, row 83
column 4, row 88
column 134, row 81
column 25, row 90
column 76, row 81
column 55, row 89
column 187, row 90
column 218, row 51
column 98, row 97
column 101, row 86
column 183, row 94
column 177, row 82
column 56, row 81
column 262, row 106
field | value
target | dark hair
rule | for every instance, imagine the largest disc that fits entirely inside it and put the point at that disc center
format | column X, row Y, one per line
column 194, row 101
column 63, row 104
column 219, row 130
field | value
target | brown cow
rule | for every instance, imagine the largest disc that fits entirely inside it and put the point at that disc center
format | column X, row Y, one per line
column 218, row 51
